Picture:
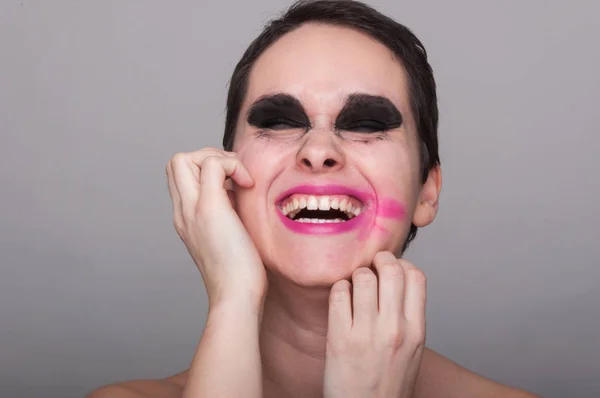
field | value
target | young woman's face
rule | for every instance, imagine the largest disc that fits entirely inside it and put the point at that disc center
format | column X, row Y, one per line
column 327, row 132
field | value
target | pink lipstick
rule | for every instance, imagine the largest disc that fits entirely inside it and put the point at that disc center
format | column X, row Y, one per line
column 324, row 209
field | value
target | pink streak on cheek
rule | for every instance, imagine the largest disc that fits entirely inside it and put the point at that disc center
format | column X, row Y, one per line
column 390, row 208
column 385, row 208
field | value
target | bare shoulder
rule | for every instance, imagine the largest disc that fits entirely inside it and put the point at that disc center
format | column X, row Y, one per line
column 170, row 387
column 439, row 377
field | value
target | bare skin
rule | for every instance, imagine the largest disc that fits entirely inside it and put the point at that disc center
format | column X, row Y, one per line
column 438, row 378
column 272, row 330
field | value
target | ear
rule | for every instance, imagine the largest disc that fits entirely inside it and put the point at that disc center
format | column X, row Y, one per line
column 427, row 205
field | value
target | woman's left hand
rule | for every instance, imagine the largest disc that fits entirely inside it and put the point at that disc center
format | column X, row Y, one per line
column 376, row 331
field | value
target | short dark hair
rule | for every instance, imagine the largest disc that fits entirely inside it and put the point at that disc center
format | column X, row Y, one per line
column 355, row 15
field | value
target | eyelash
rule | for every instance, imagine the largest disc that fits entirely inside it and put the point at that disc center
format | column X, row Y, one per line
column 373, row 126
column 268, row 126
column 268, row 134
column 382, row 137
column 378, row 131
column 290, row 124
column 281, row 124
column 262, row 134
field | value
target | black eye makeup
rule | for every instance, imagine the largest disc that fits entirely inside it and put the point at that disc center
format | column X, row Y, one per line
column 364, row 113
column 278, row 112
column 363, row 118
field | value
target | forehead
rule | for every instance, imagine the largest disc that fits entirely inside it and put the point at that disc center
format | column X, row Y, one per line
column 322, row 64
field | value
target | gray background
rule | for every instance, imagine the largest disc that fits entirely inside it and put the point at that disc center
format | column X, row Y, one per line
column 95, row 97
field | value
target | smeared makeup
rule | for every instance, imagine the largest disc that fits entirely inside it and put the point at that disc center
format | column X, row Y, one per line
column 312, row 192
column 384, row 208
column 278, row 112
column 390, row 208
column 361, row 114
column 292, row 203
column 366, row 113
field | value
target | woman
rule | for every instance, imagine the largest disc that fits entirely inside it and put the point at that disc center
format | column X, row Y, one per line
column 330, row 166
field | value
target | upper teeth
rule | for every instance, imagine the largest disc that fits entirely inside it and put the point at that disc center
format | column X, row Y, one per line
column 293, row 204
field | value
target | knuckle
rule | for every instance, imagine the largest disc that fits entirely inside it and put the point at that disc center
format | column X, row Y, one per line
column 395, row 338
column 211, row 162
column 418, row 337
column 178, row 158
column 178, row 228
column 177, row 162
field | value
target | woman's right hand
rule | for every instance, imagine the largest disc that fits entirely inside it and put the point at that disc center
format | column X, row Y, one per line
column 213, row 234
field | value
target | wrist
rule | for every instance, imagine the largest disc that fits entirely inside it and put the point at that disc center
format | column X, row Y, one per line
column 242, row 310
column 233, row 324
column 237, row 301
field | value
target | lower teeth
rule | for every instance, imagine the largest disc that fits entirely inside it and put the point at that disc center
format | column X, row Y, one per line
column 319, row 220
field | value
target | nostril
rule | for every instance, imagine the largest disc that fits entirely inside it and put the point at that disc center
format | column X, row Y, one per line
column 329, row 162
column 306, row 162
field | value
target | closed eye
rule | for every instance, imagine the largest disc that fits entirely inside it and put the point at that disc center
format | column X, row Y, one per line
column 281, row 124
column 365, row 126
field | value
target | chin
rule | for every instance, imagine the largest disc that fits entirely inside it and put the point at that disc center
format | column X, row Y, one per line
column 316, row 267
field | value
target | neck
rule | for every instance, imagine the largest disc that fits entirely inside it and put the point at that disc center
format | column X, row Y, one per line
column 292, row 339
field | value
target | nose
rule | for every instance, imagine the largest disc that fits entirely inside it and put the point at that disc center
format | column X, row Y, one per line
column 319, row 153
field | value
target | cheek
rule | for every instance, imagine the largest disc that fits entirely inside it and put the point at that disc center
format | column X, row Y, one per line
column 261, row 161
column 386, row 219
column 396, row 194
column 391, row 213
column 259, row 156
column 391, row 208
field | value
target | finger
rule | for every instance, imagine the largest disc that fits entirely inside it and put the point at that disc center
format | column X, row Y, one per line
column 186, row 175
column 391, row 285
column 415, row 295
column 196, row 158
column 175, row 198
column 210, row 151
column 364, row 297
column 216, row 169
column 340, row 308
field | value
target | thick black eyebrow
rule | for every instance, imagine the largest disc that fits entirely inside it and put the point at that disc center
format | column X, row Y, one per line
column 277, row 106
column 368, row 107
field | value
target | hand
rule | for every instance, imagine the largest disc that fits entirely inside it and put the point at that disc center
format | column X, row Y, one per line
column 376, row 332
column 207, row 223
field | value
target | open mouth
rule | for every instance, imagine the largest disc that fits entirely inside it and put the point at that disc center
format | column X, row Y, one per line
column 318, row 209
